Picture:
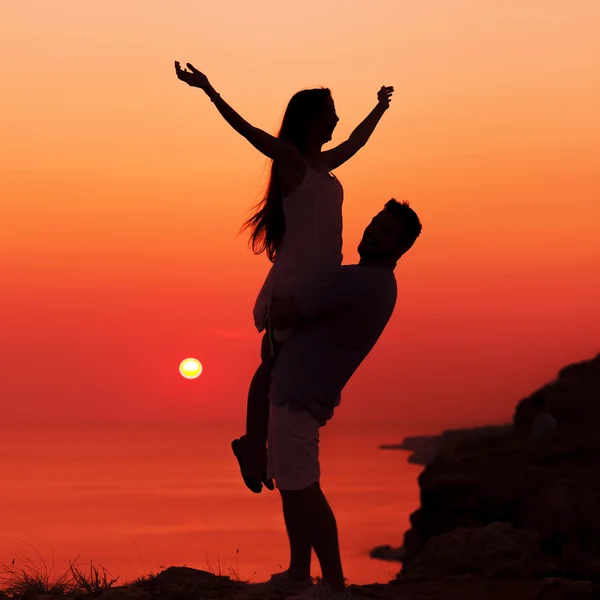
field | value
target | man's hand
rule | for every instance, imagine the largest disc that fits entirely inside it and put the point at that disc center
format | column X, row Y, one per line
column 193, row 77
column 384, row 96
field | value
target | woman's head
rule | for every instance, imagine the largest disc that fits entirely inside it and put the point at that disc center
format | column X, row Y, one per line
column 308, row 122
column 309, row 118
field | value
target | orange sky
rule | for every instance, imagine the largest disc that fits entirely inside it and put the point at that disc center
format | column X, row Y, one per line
column 122, row 190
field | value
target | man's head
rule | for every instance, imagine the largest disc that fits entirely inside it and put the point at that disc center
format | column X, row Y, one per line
column 390, row 234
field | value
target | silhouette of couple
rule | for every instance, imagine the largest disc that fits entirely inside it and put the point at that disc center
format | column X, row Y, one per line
column 320, row 318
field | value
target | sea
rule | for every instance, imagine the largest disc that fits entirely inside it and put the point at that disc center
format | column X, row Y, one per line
column 136, row 497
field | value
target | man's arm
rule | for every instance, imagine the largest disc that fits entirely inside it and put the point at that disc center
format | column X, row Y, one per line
column 329, row 294
column 284, row 313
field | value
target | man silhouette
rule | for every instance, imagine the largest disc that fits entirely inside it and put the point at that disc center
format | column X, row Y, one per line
column 338, row 320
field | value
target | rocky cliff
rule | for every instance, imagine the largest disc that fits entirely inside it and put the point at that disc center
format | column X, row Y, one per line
column 508, row 497
column 424, row 448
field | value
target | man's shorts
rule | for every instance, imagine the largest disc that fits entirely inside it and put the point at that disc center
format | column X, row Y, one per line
column 293, row 448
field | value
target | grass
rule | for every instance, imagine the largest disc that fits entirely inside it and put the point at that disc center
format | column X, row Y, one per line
column 233, row 573
column 34, row 576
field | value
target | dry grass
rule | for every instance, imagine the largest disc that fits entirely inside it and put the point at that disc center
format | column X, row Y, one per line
column 27, row 576
column 31, row 576
column 143, row 580
column 232, row 572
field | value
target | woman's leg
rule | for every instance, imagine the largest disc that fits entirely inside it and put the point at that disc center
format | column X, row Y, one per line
column 257, row 413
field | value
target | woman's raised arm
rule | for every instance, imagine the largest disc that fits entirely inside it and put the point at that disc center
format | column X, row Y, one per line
column 267, row 144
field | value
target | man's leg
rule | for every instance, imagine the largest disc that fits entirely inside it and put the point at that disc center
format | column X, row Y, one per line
column 308, row 511
column 300, row 547
column 308, row 516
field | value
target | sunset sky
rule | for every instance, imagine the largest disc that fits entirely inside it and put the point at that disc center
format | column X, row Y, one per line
column 122, row 191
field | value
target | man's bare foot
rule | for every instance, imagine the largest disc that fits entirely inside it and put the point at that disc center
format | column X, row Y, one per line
column 283, row 582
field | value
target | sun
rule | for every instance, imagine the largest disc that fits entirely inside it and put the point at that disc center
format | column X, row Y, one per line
column 190, row 368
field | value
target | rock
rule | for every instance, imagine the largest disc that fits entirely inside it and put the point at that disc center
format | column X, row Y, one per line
column 551, row 488
column 424, row 448
column 183, row 583
column 186, row 576
column 46, row 597
column 464, row 578
column 556, row 588
column 246, row 595
column 499, row 549
column 570, row 398
column 124, row 593
column 387, row 553
column 178, row 583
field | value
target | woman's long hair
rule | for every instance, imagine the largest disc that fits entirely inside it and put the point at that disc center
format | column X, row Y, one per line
column 267, row 222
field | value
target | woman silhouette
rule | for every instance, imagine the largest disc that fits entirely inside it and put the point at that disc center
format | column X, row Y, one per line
column 298, row 224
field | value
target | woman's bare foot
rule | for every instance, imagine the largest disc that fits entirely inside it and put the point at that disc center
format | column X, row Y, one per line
column 253, row 464
column 251, row 478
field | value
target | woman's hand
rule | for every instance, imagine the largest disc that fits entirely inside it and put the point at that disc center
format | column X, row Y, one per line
column 272, row 147
column 384, row 95
column 193, row 77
